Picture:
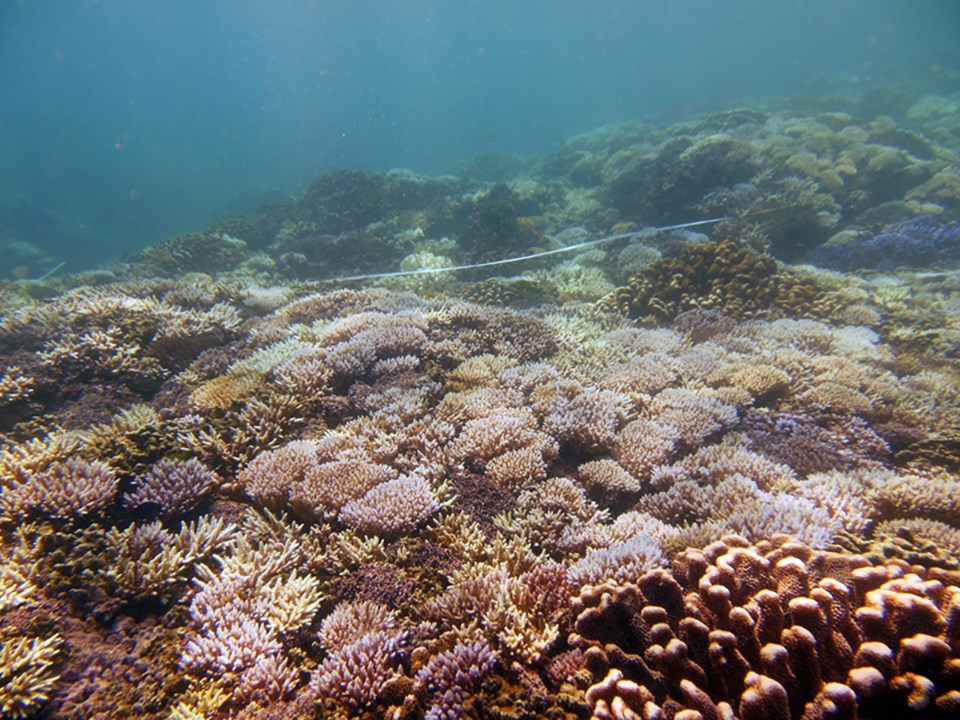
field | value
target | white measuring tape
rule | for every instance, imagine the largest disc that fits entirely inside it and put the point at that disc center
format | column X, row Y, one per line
column 521, row 258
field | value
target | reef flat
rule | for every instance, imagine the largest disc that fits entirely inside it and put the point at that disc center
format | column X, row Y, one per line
column 681, row 475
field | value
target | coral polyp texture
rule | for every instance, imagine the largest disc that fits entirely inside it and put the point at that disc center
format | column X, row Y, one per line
column 772, row 630
column 671, row 476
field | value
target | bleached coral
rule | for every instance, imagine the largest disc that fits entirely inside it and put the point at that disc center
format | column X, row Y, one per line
column 392, row 507
column 149, row 560
column 16, row 586
column 304, row 373
column 21, row 460
column 289, row 602
column 352, row 675
column 67, row 490
column 175, row 488
column 621, row 562
column 597, row 534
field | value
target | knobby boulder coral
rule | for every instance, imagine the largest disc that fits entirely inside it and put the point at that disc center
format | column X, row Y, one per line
column 775, row 630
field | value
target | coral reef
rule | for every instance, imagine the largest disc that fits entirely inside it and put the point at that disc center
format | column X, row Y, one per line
column 667, row 476
column 773, row 630
column 724, row 277
column 922, row 241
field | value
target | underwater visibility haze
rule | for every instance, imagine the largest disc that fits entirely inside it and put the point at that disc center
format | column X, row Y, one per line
column 484, row 360
column 122, row 123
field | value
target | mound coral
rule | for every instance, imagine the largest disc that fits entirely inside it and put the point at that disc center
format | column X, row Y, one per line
column 773, row 630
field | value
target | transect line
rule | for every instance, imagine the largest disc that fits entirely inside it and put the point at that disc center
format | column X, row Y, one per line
column 48, row 273
column 521, row 258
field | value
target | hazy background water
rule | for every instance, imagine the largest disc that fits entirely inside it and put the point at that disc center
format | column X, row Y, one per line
column 125, row 121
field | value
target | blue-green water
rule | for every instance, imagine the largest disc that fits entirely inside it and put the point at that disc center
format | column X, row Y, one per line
column 125, row 121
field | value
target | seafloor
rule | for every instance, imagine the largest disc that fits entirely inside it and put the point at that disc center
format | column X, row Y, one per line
column 680, row 475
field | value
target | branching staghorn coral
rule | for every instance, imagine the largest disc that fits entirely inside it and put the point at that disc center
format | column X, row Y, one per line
column 26, row 675
column 131, row 334
column 150, row 561
column 328, row 488
column 516, row 612
column 244, row 611
column 71, row 490
column 545, row 511
column 353, row 675
column 175, row 488
column 15, row 587
column 620, row 562
column 130, row 440
column 933, row 495
column 15, row 386
column 447, row 680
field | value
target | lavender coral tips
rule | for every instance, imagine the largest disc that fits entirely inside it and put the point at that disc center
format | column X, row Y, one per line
column 176, row 487
column 391, row 508
column 67, row 490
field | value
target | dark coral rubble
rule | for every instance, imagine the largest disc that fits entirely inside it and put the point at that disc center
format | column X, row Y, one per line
column 670, row 476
